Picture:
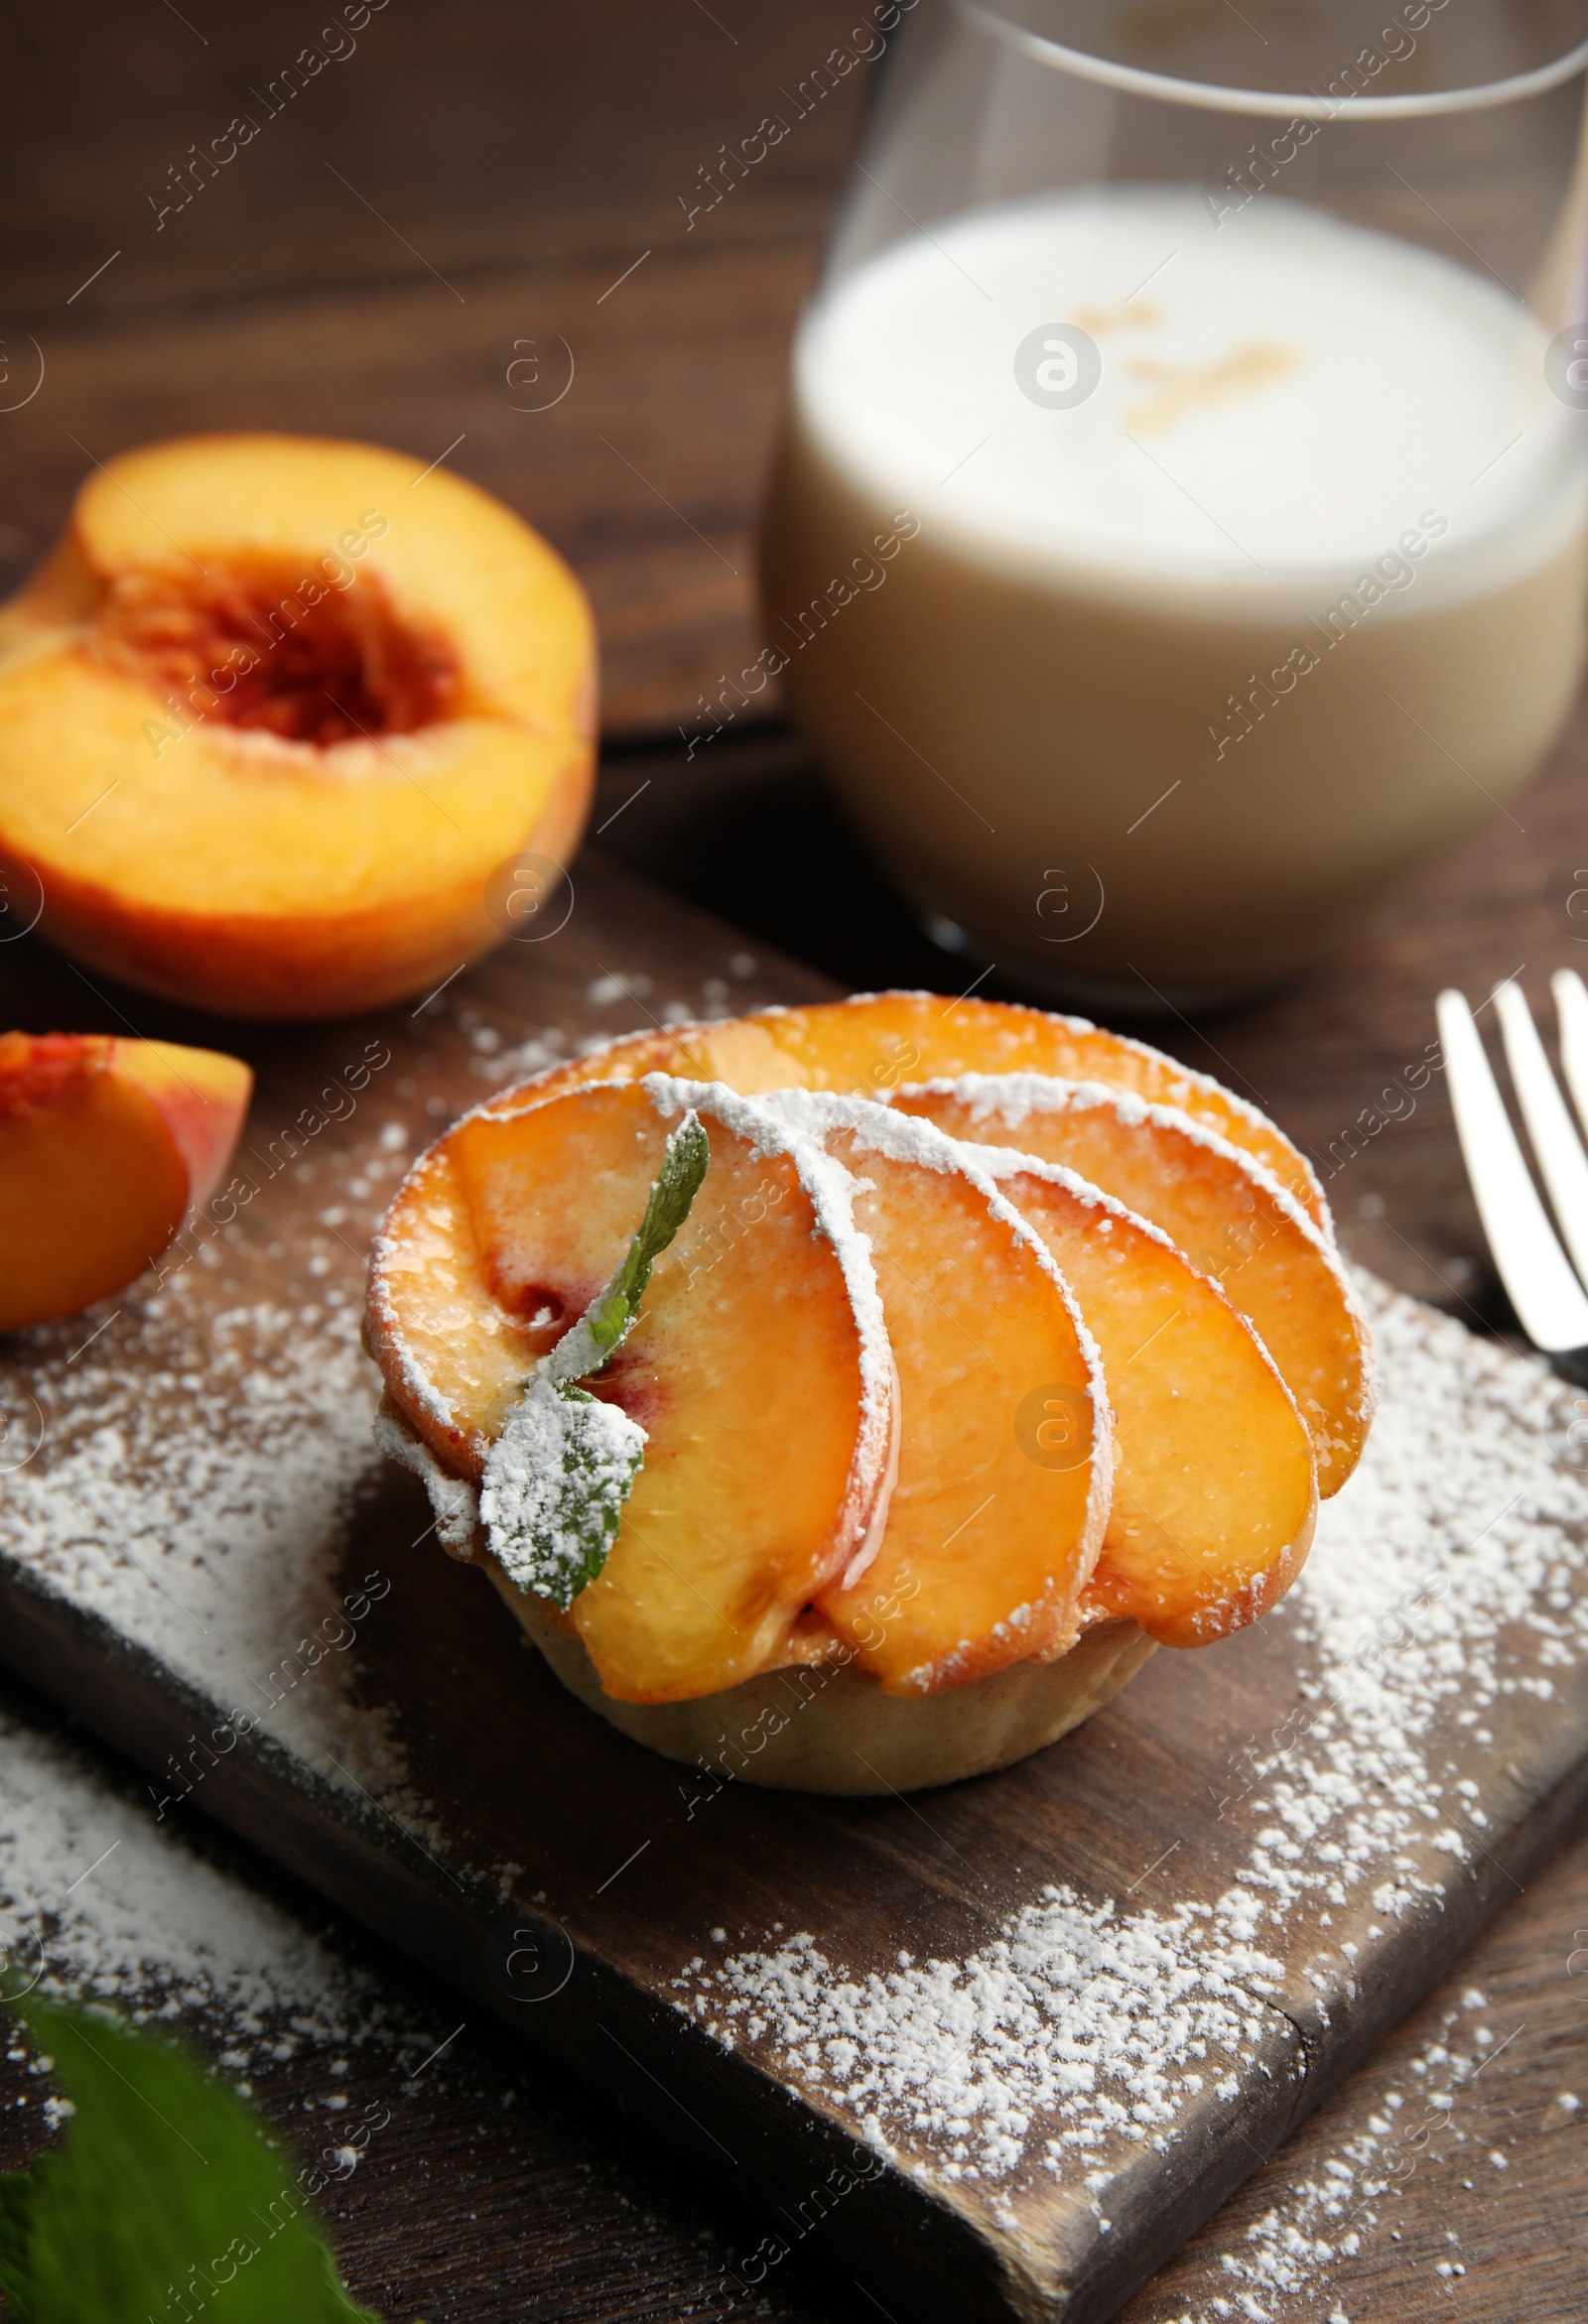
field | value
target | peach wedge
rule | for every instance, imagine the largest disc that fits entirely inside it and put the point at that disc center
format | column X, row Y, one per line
column 868, row 1046
column 764, row 1395
column 1215, row 1494
column 104, row 1146
column 275, row 711
column 1219, row 1206
column 991, row 1538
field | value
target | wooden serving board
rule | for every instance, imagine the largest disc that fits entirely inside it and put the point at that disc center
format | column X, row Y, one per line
column 994, row 2050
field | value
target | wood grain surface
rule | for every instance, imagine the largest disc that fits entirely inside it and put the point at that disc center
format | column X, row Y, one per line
column 466, row 170
column 621, row 1881
column 499, row 2192
column 531, row 156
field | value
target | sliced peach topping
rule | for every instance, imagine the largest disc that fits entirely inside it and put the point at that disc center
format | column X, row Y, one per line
column 865, row 1047
column 989, row 1541
column 1215, row 1494
column 934, row 1378
column 767, row 1409
column 1222, row 1209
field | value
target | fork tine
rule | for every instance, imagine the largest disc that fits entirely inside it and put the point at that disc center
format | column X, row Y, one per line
column 1571, row 1009
column 1546, row 1295
column 1561, row 1161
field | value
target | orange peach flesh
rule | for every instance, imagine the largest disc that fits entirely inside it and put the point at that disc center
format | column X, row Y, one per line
column 1269, row 1262
column 871, row 1045
column 103, row 1144
column 1215, row 1497
column 1208, row 1539
column 986, row 1552
column 347, row 666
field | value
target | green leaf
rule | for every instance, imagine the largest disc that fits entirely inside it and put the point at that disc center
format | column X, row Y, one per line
column 556, row 1480
column 609, row 1318
column 558, row 1476
column 17, row 2191
column 164, row 2199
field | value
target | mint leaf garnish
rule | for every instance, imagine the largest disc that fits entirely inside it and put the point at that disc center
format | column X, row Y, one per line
column 556, row 1480
column 607, row 1321
column 163, row 2185
column 557, row 1477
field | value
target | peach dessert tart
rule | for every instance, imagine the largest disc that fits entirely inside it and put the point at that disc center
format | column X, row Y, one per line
column 851, row 1397
column 106, row 1146
column 274, row 715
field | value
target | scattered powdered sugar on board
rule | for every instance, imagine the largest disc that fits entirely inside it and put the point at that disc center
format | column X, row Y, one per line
column 504, row 1058
column 1441, row 1584
column 1078, row 2021
column 195, row 1503
column 95, row 1895
column 1441, row 1587
column 1399, row 2119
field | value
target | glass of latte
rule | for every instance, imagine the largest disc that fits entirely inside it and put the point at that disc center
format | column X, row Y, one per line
column 1180, row 528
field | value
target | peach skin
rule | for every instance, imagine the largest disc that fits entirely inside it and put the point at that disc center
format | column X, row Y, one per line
column 105, row 1145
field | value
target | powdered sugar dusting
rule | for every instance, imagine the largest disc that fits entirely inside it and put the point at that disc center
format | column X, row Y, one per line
column 196, row 1498
column 1010, row 1099
column 198, row 1510
column 1300, row 2247
column 555, row 1480
column 1079, row 2027
column 1440, row 1599
column 908, row 1138
column 94, row 1893
column 768, row 1130
column 455, row 1502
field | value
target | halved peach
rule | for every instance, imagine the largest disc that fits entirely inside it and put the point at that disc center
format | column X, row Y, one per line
column 1223, row 1209
column 992, row 1536
column 870, row 1045
column 766, row 1401
column 1215, row 1494
column 273, row 713
column 105, row 1145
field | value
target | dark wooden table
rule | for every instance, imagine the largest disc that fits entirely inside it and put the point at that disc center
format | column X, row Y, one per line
column 479, row 167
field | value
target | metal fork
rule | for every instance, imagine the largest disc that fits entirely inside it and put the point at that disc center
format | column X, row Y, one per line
column 1546, row 1289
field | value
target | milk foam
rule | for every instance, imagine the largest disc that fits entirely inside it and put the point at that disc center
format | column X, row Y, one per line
column 1283, row 396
